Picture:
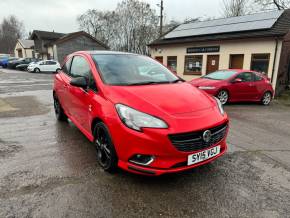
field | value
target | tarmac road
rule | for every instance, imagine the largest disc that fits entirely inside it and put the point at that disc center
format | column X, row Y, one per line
column 48, row 169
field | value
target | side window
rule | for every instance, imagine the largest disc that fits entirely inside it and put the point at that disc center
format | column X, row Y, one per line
column 257, row 77
column 66, row 66
column 245, row 77
column 81, row 68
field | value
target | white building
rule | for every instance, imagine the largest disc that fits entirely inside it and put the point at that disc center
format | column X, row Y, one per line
column 258, row 42
column 24, row 48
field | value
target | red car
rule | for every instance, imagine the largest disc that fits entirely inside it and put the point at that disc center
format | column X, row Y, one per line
column 139, row 115
column 236, row 86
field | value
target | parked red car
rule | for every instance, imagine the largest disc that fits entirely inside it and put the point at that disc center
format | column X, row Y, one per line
column 236, row 86
column 139, row 115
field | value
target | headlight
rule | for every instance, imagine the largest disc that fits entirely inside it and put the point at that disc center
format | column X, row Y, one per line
column 206, row 87
column 220, row 106
column 137, row 120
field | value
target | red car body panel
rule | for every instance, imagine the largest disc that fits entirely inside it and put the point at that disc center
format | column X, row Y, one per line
column 183, row 107
column 238, row 92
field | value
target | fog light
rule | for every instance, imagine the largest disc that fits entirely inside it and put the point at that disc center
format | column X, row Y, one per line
column 143, row 160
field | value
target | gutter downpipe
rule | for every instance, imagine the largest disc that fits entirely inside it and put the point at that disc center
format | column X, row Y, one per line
column 274, row 61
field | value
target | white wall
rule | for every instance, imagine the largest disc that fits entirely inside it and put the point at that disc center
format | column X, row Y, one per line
column 246, row 47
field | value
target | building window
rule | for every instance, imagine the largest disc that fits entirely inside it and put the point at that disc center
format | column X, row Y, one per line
column 172, row 63
column 193, row 65
column 260, row 63
column 159, row 59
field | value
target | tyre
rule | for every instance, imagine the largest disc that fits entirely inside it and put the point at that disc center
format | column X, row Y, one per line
column 267, row 98
column 223, row 96
column 59, row 113
column 36, row 70
column 105, row 150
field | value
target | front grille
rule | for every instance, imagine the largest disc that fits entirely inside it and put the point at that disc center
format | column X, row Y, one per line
column 193, row 141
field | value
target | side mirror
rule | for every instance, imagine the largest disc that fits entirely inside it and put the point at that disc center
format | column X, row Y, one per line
column 79, row 82
column 237, row 80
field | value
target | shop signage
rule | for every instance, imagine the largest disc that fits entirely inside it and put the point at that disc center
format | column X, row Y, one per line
column 208, row 49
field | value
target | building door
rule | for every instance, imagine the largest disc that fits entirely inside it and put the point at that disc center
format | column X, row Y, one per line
column 236, row 61
column 212, row 63
column 20, row 55
column 159, row 59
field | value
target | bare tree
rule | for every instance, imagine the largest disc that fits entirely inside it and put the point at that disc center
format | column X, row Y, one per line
column 130, row 27
column 138, row 25
column 272, row 4
column 99, row 24
column 11, row 29
column 233, row 8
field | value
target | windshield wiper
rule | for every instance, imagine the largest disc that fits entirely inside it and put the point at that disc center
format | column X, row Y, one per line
column 148, row 83
column 177, row 80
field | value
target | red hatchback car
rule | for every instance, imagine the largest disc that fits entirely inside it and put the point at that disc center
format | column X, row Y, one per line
column 236, row 86
column 139, row 115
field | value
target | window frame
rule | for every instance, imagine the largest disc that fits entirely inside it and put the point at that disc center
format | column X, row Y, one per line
column 252, row 76
column 68, row 70
column 168, row 57
column 91, row 73
column 192, row 72
column 268, row 65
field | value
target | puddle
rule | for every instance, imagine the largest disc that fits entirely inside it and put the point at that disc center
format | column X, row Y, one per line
column 21, row 106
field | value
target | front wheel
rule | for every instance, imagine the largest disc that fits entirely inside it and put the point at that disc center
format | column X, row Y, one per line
column 106, row 154
column 59, row 113
column 36, row 70
column 223, row 96
column 267, row 98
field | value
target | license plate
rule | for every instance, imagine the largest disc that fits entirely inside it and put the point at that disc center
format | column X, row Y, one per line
column 203, row 155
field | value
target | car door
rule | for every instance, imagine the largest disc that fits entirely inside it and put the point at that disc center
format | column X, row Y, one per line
column 63, row 82
column 50, row 66
column 47, row 65
column 243, row 90
column 43, row 66
column 81, row 99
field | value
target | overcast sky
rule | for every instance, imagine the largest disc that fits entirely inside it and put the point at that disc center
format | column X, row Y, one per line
column 60, row 15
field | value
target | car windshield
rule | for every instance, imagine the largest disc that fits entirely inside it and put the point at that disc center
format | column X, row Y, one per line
column 129, row 69
column 220, row 75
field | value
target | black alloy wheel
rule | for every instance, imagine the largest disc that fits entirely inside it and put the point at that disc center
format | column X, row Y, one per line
column 106, row 154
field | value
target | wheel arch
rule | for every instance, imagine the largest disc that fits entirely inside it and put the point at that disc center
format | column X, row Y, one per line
column 94, row 123
column 268, row 90
column 224, row 89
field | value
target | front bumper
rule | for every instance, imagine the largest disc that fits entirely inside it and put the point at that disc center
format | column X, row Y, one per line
column 153, row 171
column 154, row 142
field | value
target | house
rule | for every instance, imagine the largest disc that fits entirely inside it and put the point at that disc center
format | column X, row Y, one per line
column 256, row 42
column 24, row 49
column 41, row 38
column 52, row 45
column 72, row 42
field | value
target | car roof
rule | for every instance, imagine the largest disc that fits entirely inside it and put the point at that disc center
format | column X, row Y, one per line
column 105, row 52
column 238, row 70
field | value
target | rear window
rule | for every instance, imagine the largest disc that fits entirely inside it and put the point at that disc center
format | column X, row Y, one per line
column 220, row 75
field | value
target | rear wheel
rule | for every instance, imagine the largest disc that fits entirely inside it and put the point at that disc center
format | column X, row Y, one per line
column 267, row 98
column 59, row 113
column 223, row 96
column 106, row 154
